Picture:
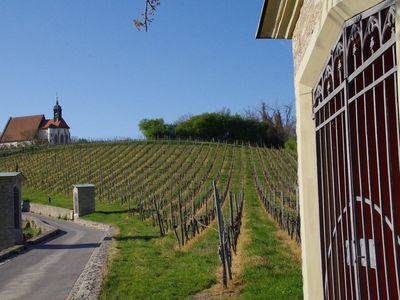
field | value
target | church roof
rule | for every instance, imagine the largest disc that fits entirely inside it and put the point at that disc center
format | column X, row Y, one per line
column 54, row 124
column 21, row 129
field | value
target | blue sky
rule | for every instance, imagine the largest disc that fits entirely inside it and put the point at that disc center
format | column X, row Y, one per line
column 198, row 56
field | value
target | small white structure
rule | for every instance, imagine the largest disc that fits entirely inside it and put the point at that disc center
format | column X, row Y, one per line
column 84, row 199
column 10, row 209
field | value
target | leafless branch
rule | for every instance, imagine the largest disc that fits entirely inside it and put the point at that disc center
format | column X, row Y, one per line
column 147, row 15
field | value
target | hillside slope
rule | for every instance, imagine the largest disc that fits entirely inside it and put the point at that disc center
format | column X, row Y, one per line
column 167, row 186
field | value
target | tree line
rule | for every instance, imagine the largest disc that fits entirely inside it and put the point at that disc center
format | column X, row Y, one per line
column 263, row 125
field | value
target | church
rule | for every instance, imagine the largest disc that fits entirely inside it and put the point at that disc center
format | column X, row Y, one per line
column 36, row 129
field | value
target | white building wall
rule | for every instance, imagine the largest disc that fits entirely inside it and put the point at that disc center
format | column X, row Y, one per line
column 43, row 135
column 51, row 134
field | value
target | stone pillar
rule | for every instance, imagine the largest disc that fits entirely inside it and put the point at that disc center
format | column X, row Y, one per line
column 84, row 199
column 10, row 209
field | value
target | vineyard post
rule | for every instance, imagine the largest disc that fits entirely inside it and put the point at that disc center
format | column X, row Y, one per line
column 193, row 212
column 265, row 197
column 165, row 219
column 274, row 204
column 281, row 221
column 241, row 195
column 231, row 207
column 181, row 219
column 171, row 215
column 236, row 202
column 222, row 247
column 129, row 207
column 141, row 210
column 206, row 219
column 177, row 237
column 184, row 210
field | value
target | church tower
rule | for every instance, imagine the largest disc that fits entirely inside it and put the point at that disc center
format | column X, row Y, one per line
column 57, row 112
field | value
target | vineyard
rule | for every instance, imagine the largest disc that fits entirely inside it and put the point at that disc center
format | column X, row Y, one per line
column 172, row 186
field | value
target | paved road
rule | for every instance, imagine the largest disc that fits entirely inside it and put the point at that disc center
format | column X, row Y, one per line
column 48, row 271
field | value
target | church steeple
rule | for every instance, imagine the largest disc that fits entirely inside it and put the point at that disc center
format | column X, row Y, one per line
column 57, row 111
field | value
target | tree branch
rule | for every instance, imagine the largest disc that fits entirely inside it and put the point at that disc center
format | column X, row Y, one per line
column 147, row 15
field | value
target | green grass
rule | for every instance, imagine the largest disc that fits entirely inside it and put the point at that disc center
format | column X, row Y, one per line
column 273, row 271
column 43, row 198
column 150, row 267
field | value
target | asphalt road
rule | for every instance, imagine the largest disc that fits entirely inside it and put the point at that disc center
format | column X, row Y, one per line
column 48, row 271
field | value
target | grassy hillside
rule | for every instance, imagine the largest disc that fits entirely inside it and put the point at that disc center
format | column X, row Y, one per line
column 167, row 187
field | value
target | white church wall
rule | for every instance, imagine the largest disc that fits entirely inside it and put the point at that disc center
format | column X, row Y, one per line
column 54, row 135
column 43, row 135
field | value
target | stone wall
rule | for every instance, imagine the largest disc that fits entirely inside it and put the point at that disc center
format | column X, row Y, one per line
column 44, row 227
column 49, row 211
column 10, row 237
column 6, row 203
column 310, row 16
column 9, row 234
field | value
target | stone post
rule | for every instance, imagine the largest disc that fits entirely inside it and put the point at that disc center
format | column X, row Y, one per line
column 84, row 199
column 10, row 209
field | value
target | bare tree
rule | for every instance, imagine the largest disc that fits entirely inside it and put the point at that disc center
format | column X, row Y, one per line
column 284, row 120
column 183, row 118
column 250, row 113
column 225, row 111
column 266, row 113
column 289, row 121
column 281, row 118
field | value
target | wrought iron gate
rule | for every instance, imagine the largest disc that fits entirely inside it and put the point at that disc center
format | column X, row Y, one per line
column 356, row 113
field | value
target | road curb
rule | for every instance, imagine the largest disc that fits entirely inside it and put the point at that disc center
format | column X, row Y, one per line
column 93, row 225
column 88, row 285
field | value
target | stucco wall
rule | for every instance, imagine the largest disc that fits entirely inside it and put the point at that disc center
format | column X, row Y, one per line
column 308, row 19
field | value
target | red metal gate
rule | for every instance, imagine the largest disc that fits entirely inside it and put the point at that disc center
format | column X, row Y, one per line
column 356, row 114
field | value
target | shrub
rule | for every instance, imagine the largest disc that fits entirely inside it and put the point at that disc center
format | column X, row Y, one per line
column 291, row 144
